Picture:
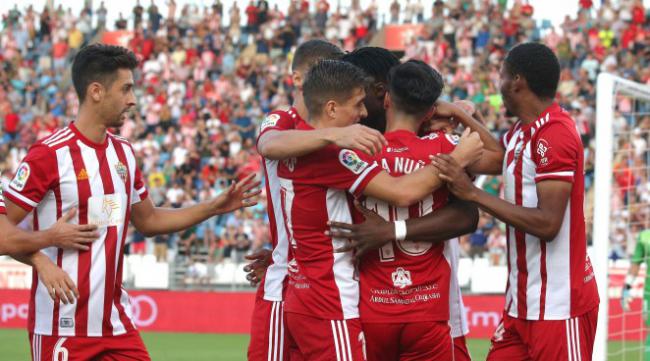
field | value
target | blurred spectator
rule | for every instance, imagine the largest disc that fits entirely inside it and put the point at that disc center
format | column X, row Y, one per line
column 479, row 239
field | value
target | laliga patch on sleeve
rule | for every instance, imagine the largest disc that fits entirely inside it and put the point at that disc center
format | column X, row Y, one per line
column 21, row 177
column 351, row 161
column 106, row 210
column 270, row 121
column 453, row 138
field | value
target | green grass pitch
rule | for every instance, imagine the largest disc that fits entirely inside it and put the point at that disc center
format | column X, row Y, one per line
column 14, row 346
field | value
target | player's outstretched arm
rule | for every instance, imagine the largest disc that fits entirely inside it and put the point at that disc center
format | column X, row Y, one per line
column 543, row 221
column 150, row 220
column 282, row 144
column 14, row 241
column 409, row 189
column 455, row 219
column 491, row 161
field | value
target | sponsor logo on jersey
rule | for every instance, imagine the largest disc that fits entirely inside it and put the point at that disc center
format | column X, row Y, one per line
column 401, row 278
column 542, row 149
column 66, row 322
column 270, row 121
column 351, row 161
column 21, row 177
column 396, row 150
column 82, row 175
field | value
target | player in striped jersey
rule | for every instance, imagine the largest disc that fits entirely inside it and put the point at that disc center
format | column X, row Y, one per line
column 85, row 166
column 322, row 297
column 13, row 240
column 551, row 297
column 278, row 139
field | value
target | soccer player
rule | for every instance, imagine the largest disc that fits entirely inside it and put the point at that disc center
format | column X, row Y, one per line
column 323, row 294
column 454, row 219
column 551, row 299
column 641, row 254
column 85, row 166
column 13, row 240
column 279, row 140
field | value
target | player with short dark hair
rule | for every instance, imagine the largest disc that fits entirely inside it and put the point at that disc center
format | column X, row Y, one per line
column 376, row 62
column 323, row 293
column 551, row 300
column 84, row 166
column 278, row 139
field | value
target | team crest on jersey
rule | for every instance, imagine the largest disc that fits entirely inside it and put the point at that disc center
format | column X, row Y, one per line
column 121, row 171
column 21, row 177
column 452, row 138
column 270, row 121
column 351, row 161
column 542, row 149
column 401, row 278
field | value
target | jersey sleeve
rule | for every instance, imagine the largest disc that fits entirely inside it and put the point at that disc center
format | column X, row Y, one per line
column 555, row 152
column 348, row 170
column 448, row 143
column 277, row 120
column 139, row 191
column 35, row 176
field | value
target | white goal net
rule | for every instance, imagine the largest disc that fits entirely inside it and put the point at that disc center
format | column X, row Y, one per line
column 621, row 210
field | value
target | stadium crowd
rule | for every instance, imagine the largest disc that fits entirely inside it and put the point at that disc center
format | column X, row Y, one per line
column 204, row 86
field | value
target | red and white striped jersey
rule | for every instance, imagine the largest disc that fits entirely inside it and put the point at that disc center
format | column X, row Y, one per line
column 2, row 202
column 66, row 170
column 407, row 281
column 457, row 312
column 547, row 280
column 316, row 188
column 273, row 284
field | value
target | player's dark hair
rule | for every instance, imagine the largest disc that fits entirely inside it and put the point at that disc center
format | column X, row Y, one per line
column 538, row 65
column 414, row 87
column 331, row 80
column 99, row 63
column 311, row 52
column 375, row 61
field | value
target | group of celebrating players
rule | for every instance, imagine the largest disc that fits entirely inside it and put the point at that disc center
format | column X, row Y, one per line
column 364, row 217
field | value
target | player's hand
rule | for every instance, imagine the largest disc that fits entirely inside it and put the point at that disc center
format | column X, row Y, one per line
column 239, row 195
column 359, row 137
column 71, row 236
column 469, row 148
column 457, row 179
column 626, row 299
column 256, row 269
column 56, row 281
column 372, row 234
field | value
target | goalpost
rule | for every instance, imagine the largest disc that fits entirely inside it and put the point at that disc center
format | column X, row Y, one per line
column 620, row 107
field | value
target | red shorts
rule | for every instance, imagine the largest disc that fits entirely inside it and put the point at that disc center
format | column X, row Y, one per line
column 461, row 353
column 268, row 341
column 112, row 348
column 408, row 341
column 327, row 340
column 551, row 340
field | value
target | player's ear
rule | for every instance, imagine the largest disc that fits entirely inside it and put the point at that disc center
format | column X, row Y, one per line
column 95, row 91
column 387, row 100
column 330, row 109
column 379, row 89
column 296, row 76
